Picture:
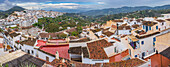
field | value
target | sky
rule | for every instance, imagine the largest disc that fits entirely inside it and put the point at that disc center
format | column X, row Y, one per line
column 81, row 5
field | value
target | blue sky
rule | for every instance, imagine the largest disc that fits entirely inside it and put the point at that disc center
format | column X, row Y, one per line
column 82, row 5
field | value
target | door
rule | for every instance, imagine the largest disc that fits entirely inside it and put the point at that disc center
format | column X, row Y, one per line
column 143, row 54
column 47, row 58
column 146, row 28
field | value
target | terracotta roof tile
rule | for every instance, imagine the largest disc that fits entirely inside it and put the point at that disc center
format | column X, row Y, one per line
column 79, row 50
column 160, row 20
column 114, row 26
column 127, row 63
column 166, row 53
column 108, row 33
column 168, row 19
column 149, row 23
column 51, row 49
column 80, row 40
column 119, row 56
column 1, row 45
column 28, row 42
column 124, row 27
column 96, row 49
column 135, row 26
column 118, row 20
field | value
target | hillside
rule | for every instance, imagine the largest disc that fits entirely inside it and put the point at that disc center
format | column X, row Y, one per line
column 60, row 23
column 122, row 10
column 136, row 14
column 4, row 14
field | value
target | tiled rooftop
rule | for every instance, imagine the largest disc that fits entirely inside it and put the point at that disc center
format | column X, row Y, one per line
column 149, row 23
column 135, row 26
column 1, row 45
column 119, row 56
column 160, row 20
column 79, row 50
column 124, row 28
column 80, row 40
column 108, row 33
column 166, row 53
column 133, row 38
column 19, row 59
column 51, row 49
column 56, row 40
column 127, row 63
column 30, row 42
column 40, row 43
column 96, row 49
column 68, row 63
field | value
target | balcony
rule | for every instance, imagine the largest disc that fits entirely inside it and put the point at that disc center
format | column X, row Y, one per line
column 134, row 45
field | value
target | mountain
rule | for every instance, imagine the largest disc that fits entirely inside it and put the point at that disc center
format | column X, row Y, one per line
column 15, row 8
column 125, row 9
column 4, row 14
column 136, row 14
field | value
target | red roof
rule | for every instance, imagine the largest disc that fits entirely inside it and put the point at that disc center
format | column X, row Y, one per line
column 118, row 57
column 115, row 39
column 40, row 43
column 62, row 50
column 156, row 60
column 56, row 40
column 1, row 45
column 96, row 50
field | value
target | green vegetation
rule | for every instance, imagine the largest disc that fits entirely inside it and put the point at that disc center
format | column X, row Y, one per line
column 125, row 9
column 61, row 23
column 1, row 30
column 74, row 33
column 136, row 14
column 62, row 35
column 4, row 14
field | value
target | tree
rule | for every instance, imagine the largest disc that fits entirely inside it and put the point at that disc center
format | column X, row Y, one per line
column 52, row 27
column 1, row 30
column 74, row 33
column 79, row 29
column 62, row 35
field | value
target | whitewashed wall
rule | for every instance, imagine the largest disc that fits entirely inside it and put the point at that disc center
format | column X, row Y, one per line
column 91, row 61
column 44, row 55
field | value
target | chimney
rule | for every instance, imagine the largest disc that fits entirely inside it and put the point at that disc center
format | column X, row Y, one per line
column 57, row 55
column 117, row 28
column 63, row 61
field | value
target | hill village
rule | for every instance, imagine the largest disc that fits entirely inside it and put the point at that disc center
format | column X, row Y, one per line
column 126, row 42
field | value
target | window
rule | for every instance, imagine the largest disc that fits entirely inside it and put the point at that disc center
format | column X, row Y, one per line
column 130, row 52
column 20, row 47
column 142, row 42
column 143, row 54
column 115, row 49
column 47, row 58
column 37, row 55
column 28, row 51
column 156, row 27
column 32, row 52
column 143, row 27
column 154, row 39
column 149, row 28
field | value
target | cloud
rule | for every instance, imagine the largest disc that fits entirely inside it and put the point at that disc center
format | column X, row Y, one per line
column 32, row 5
column 79, row 4
column 6, row 5
column 100, row 2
